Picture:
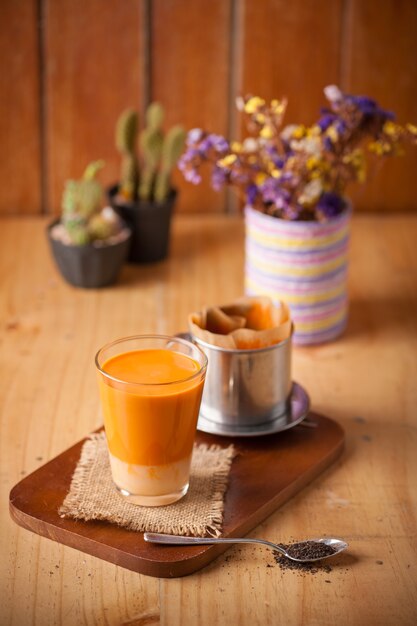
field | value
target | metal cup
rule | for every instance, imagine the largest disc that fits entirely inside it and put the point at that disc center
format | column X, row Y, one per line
column 246, row 387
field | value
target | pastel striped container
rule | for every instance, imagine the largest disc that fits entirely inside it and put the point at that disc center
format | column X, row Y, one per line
column 304, row 264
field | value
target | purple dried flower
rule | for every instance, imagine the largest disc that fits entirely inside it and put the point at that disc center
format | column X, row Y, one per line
column 188, row 157
column 325, row 121
column 218, row 177
column 204, row 145
column 282, row 200
column 328, row 144
column 192, row 176
column 365, row 104
column 239, row 177
column 194, row 136
column 277, row 159
column 330, row 205
column 292, row 212
column 369, row 107
column 289, row 177
column 270, row 190
column 333, row 93
column 251, row 193
column 219, row 143
column 273, row 192
column 340, row 126
column 279, row 162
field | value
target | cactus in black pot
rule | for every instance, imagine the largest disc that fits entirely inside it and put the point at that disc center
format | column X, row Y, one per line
column 144, row 196
column 89, row 242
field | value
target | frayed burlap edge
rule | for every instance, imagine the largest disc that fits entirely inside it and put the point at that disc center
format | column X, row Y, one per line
column 171, row 519
column 72, row 505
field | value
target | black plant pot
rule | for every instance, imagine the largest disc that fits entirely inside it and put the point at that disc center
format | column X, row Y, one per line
column 89, row 266
column 150, row 224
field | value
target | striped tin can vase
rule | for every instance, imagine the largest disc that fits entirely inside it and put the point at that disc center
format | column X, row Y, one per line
column 304, row 264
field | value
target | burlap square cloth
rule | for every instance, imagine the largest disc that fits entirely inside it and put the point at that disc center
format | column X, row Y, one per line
column 92, row 495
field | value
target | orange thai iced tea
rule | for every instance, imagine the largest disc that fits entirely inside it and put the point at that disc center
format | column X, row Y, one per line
column 150, row 389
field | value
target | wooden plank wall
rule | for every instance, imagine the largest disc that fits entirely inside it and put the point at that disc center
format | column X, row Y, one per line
column 20, row 108
column 68, row 68
column 94, row 68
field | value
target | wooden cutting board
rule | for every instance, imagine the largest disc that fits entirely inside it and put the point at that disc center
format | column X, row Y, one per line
column 266, row 472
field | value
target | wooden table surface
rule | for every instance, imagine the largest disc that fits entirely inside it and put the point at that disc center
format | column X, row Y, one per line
column 367, row 381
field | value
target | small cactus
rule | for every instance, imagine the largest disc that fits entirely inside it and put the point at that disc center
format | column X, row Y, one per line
column 76, row 230
column 100, row 228
column 159, row 155
column 83, row 219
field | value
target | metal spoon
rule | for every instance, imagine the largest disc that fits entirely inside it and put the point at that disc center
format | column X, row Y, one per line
column 337, row 544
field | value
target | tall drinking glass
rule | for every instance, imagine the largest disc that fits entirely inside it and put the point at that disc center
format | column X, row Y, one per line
column 150, row 389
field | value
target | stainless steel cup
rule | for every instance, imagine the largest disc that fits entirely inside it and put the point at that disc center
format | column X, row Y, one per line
column 246, row 387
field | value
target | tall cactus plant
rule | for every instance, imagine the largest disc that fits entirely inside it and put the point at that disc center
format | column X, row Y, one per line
column 159, row 155
column 126, row 137
column 171, row 152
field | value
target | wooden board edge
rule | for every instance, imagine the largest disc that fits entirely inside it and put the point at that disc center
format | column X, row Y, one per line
column 201, row 556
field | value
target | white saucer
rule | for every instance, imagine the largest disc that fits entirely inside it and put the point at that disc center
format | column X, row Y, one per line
column 298, row 408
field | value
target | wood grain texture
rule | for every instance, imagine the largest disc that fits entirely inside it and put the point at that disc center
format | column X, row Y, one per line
column 94, row 70
column 20, row 107
column 381, row 53
column 190, row 73
column 48, row 336
column 68, row 68
column 290, row 49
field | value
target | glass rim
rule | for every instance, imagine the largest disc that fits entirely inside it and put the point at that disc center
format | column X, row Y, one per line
column 180, row 340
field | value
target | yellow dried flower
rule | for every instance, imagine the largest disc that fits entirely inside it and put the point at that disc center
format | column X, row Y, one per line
column 299, row 132
column 266, row 132
column 227, row 160
column 357, row 160
column 260, row 178
column 332, row 134
column 313, row 162
column 391, row 129
column 317, row 167
column 411, row 128
column 380, row 148
column 315, row 174
column 277, row 107
column 291, row 162
column 236, row 146
column 253, row 104
column 314, row 130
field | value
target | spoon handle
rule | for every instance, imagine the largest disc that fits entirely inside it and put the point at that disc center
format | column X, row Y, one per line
column 180, row 540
